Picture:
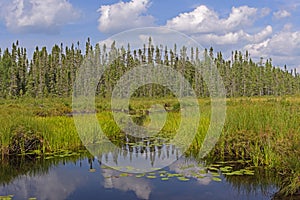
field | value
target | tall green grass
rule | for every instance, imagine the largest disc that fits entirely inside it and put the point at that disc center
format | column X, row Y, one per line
column 264, row 130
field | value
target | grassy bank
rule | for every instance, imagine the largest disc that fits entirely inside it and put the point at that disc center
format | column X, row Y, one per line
column 263, row 130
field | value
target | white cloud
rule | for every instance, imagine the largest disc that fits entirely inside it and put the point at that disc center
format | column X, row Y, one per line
column 204, row 20
column 200, row 20
column 239, row 31
column 37, row 15
column 265, row 11
column 241, row 16
column 236, row 31
column 283, row 48
column 236, row 37
column 160, row 36
column 281, row 14
column 208, row 28
column 124, row 15
column 52, row 186
column 140, row 187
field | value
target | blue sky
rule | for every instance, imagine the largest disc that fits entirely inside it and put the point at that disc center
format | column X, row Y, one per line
column 266, row 28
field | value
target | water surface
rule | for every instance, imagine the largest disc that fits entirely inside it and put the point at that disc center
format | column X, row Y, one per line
column 81, row 177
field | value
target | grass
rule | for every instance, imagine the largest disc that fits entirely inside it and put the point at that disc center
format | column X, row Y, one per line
column 263, row 130
column 266, row 131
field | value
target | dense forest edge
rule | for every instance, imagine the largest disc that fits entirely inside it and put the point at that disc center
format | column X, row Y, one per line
column 263, row 104
column 52, row 74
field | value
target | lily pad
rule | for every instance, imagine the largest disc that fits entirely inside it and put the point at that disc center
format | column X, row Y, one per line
column 8, row 197
column 123, row 175
column 151, row 177
column 213, row 169
column 248, row 172
column 130, row 168
column 234, row 173
column 174, row 175
column 216, row 179
column 139, row 175
column 183, row 179
column 215, row 174
column 49, row 157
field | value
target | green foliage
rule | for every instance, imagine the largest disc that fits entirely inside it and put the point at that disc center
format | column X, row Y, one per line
column 263, row 132
column 50, row 74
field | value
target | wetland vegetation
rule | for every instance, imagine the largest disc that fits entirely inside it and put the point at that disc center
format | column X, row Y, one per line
column 261, row 135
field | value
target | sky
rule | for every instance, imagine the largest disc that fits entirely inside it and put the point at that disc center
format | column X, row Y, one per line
column 266, row 28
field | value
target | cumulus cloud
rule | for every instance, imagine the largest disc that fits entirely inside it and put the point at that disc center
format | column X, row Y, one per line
column 281, row 14
column 140, row 187
column 52, row 186
column 236, row 37
column 283, row 48
column 37, row 15
column 240, row 17
column 238, row 30
column 265, row 11
column 208, row 28
column 200, row 20
column 124, row 15
column 204, row 20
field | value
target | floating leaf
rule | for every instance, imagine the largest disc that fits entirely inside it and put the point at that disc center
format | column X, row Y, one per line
column 215, row 165
column 92, row 170
column 174, row 175
column 155, row 168
column 194, row 174
column 248, row 172
column 216, row 179
column 49, row 157
column 223, row 169
column 139, row 175
column 234, row 173
column 130, row 168
column 123, row 175
column 213, row 169
column 165, row 179
column 151, row 177
column 183, row 179
column 8, row 197
column 215, row 174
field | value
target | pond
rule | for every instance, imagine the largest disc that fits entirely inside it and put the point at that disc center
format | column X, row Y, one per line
column 79, row 175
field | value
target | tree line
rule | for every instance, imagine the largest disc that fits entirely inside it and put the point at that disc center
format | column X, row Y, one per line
column 52, row 73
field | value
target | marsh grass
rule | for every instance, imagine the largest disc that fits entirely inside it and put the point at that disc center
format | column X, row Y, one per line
column 266, row 131
column 263, row 130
